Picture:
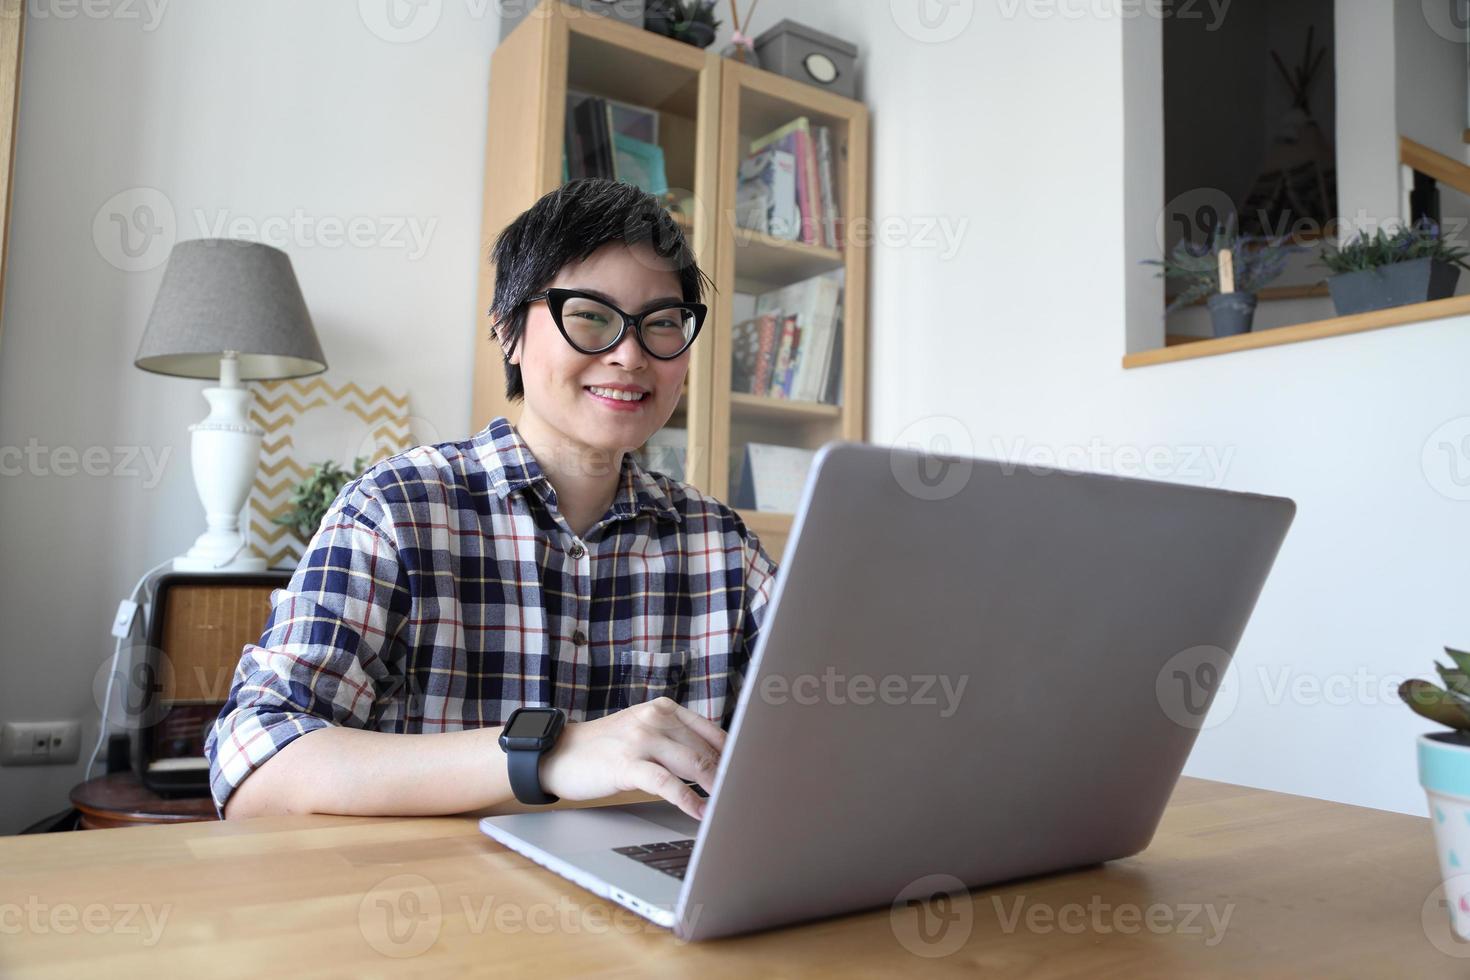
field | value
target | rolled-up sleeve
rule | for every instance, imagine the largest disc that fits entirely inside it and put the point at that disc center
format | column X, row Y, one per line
column 323, row 656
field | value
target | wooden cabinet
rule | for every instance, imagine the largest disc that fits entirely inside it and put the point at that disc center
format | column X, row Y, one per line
column 709, row 110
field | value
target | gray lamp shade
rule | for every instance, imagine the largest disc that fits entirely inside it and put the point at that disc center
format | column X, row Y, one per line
column 222, row 295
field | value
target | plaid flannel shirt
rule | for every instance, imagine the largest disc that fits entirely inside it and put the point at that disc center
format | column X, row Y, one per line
column 443, row 589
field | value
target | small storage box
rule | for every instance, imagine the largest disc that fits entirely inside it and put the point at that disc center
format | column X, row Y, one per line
column 808, row 55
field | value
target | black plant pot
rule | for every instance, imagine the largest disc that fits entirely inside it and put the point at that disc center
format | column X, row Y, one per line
column 1398, row 284
column 1232, row 313
column 698, row 34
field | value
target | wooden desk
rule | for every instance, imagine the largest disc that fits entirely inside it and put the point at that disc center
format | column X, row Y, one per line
column 1310, row 888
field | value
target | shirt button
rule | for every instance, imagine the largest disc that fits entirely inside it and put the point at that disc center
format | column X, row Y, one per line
column 577, row 551
column 579, row 638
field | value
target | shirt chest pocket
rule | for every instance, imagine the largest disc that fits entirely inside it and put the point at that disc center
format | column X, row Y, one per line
column 643, row 675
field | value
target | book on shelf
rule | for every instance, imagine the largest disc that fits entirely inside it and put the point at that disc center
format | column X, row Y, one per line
column 772, row 477
column 765, row 199
column 745, row 345
column 794, row 333
column 809, row 197
column 785, row 357
column 667, row 452
column 832, row 385
column 829, row 191
column 753, row 359
column 616, row 140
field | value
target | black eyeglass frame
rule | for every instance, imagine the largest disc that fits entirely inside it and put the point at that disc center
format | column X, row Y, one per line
column 556, row 298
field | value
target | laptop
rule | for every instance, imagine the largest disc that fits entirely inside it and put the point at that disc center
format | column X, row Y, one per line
column 968, row 669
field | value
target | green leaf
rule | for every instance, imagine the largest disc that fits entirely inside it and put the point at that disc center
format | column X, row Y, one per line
column 1437, row 705
column 1460, row 657
column 1456, row 680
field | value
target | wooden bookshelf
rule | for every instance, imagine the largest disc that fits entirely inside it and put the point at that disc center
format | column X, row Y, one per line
column 709, row 110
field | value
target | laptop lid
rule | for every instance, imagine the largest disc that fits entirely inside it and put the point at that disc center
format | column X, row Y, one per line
column 972, row 670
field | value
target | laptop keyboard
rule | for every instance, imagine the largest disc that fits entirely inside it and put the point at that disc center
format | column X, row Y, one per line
column 671, row 856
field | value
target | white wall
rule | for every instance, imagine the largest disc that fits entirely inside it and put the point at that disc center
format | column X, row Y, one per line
column 1430, row 69
column 254, row 110
column 1003, row 121
column 1016, row 124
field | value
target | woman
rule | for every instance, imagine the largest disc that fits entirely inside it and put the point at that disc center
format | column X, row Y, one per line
column 536, row 564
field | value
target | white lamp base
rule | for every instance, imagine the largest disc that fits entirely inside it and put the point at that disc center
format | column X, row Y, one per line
column 225, row 450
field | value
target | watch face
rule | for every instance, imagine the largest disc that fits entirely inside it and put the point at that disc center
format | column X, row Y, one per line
column 530, row 724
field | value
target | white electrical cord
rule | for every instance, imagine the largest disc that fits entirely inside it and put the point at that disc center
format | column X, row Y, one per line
column 117, row 655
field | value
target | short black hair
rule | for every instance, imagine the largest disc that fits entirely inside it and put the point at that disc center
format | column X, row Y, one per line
column 566, row 226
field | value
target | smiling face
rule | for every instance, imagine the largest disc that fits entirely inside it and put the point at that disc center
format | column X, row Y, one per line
column 562, row 399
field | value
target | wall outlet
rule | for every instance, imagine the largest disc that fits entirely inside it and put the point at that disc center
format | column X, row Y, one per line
column 40, row 743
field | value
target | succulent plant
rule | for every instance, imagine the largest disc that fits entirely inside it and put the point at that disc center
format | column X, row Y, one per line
column 1448, row 705
column 312, row 497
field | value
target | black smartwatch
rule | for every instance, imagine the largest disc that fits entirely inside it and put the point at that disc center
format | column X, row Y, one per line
column 528, row 734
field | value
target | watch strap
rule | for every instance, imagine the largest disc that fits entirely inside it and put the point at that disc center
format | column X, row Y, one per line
column 525, row 777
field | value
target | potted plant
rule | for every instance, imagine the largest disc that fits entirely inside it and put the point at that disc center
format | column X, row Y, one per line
column 314, row 495
column 1254, row 262
column 1378, row 271
column 1444, row 772
column 690, row 21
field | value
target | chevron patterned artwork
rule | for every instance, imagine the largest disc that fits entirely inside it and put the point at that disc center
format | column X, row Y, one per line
column 306, row 422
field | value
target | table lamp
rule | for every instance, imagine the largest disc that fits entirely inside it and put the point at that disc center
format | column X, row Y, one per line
column 230, row 310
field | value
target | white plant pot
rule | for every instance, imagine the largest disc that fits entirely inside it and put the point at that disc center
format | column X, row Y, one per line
column 1444, row 772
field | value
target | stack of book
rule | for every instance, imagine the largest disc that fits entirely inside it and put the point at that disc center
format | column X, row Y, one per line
column 787, row 188
column 614, row 140
column 792, row 348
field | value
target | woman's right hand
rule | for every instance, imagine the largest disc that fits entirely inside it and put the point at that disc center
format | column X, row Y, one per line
column 653, row 747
